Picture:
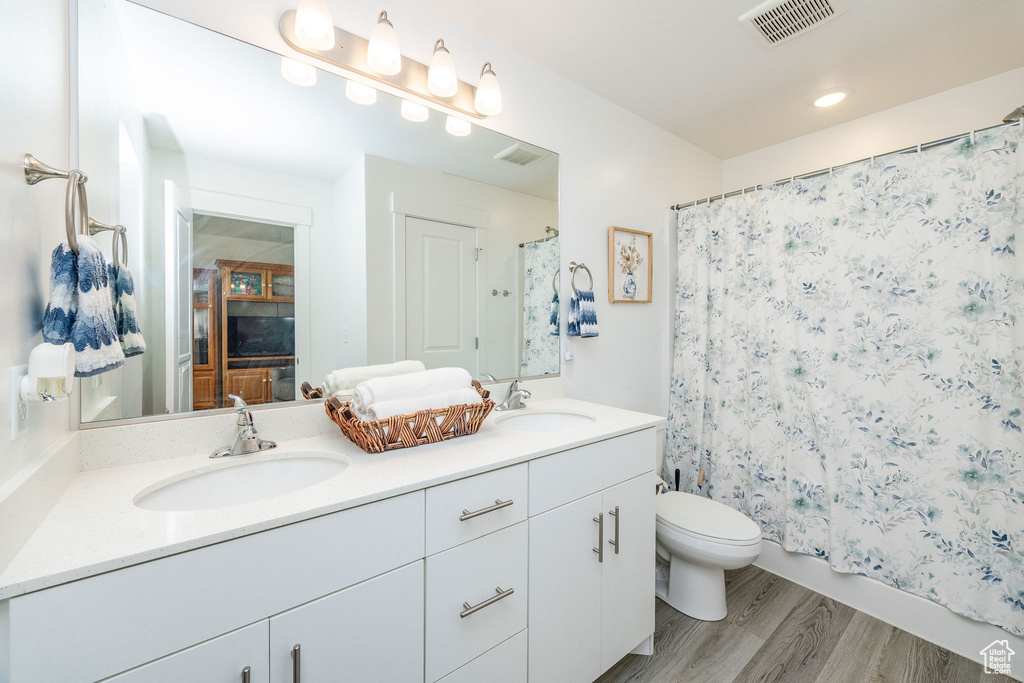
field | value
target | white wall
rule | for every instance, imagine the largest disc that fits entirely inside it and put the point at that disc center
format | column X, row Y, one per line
column 342, row 321
column 511, row 217
column 615, row 169
column 33, row 119
column 969, row 107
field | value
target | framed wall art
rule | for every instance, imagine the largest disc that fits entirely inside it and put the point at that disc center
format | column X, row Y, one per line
column 630, row 266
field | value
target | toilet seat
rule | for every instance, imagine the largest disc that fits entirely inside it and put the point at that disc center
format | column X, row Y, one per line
column 704, row 519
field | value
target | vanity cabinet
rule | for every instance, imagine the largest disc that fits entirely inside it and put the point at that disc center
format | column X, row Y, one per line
column 492, row 577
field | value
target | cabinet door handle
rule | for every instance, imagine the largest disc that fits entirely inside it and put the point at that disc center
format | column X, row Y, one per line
column 498, row 504
column 468, row 609
column 600, row 537
column 245, row 675
column 297, row 664
column 615, row 544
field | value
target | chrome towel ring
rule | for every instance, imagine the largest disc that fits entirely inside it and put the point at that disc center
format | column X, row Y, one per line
column 76, row 203
column 118, row 231
column 573, row 267
column 554, row 281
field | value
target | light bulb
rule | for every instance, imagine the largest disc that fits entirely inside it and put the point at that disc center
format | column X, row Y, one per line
column 488, row 93
column 457, row 126
column 416, row 113
column 383, row 54
column 314, row 26
column 298, row 73
column 359, row 93
column 441, row 79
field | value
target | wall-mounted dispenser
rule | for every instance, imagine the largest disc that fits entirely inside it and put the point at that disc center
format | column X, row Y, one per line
column 49, row 376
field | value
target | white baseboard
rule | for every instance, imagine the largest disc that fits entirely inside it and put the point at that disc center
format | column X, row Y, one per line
column 916, row 615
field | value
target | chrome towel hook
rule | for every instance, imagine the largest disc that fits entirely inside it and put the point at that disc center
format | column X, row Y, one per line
column 573, row 267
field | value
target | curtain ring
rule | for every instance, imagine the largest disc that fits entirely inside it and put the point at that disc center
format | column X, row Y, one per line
column 75, row 207
column 573, row 267
column 554, row 281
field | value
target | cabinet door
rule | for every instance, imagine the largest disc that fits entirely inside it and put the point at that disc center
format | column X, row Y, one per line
column 253, row 385
column 220, row 660
column 565, row 594
column 627, row 606
column 204, row 390
column 369, row 633
column 245, row 283
column 281, row 284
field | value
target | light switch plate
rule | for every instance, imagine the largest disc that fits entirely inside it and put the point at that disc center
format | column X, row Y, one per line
column 19, row 411
column 567, row 352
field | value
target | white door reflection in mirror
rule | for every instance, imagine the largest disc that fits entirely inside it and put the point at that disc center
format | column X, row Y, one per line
column 178, row 225
column 440, row 291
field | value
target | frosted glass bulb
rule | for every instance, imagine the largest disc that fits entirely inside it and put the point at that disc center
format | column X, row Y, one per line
column 383, row 54
column 416, row 113
column 488, row 93
column 457, row 126
column 298, row 73
column 441, row 79
column 359, row 93
column 314, row 26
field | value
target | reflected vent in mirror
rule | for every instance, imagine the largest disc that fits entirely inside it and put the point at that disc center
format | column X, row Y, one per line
column 521, row 154
column 776, row 21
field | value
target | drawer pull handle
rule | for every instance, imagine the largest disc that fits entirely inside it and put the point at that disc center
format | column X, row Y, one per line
column 469, row 609
column 245, row 675
column 615, row 544
column 297, row 664
column 498, row 504
column 600, row 537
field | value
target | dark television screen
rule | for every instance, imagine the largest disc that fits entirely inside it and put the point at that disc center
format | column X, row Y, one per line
column 252, row 336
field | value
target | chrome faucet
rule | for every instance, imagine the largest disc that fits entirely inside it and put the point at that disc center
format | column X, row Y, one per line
column 514, row 398
column 246, row 440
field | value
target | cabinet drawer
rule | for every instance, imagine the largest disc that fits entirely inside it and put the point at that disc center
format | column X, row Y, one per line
column 135, row 615
column 563, row 477
column 447, row 503
column 503, row 664
column 220, row 660
column 471, row 574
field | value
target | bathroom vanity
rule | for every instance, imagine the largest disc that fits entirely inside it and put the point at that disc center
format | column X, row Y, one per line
column 509, row 555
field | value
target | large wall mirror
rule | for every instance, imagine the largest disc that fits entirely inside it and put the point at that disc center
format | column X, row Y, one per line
column 278, row 232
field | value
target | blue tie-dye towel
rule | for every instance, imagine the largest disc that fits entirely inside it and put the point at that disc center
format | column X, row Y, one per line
column 553, row 320
column 128, row 330
column 582, row 315
column 80, row 309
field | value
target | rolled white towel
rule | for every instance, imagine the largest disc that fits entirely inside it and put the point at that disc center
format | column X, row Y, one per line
column 413, row 385
column 404, row 406
column 347, row 378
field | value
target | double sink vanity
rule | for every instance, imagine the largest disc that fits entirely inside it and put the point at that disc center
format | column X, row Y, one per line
column 523, row 552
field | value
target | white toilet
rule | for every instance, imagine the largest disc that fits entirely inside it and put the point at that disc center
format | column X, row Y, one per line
column 700, row 539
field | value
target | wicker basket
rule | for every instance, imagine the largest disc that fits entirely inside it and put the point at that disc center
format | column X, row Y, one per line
column 309, row 391
column 406, row 431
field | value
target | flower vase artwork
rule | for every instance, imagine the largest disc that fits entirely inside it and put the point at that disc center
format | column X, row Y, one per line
column 630, row 259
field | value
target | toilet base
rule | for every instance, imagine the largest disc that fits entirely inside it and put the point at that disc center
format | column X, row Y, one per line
column 696, row 591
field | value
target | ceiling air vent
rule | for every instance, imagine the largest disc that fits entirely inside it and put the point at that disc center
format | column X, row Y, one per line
column 521, row 154
column 776, row 21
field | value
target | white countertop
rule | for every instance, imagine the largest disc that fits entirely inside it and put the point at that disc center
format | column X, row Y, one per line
column 95, row 527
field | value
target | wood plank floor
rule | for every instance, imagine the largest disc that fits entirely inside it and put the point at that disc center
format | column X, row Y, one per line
column 777, row 631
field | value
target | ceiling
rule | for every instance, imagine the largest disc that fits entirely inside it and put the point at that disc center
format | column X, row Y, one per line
column 203, row 93
column 690, row 67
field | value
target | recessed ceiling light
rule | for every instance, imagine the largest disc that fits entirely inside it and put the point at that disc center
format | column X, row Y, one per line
column 830, row 98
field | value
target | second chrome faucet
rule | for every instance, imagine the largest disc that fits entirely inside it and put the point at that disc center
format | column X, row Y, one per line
column 514, row 398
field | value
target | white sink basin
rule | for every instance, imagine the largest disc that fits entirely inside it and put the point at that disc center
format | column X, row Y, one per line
column 542, row 421
column 241, row 482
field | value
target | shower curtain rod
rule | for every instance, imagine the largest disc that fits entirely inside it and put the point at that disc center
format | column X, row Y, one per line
column 544, row 239
column 1017, row 120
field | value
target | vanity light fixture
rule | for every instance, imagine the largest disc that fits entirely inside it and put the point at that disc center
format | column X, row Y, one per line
column 359, row 93
column 314, row 26
column 298, row 73
column 488, row 93
column 457, row 126
column 830, row 98
column 416, row 113
column 383, row 54
column 378, row 63
column 441, row 79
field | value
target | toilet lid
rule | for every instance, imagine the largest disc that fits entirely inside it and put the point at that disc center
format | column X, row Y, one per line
column 703, row 516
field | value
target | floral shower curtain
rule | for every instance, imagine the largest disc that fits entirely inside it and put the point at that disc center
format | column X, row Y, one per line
column 540, row 339
column 849, row 369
